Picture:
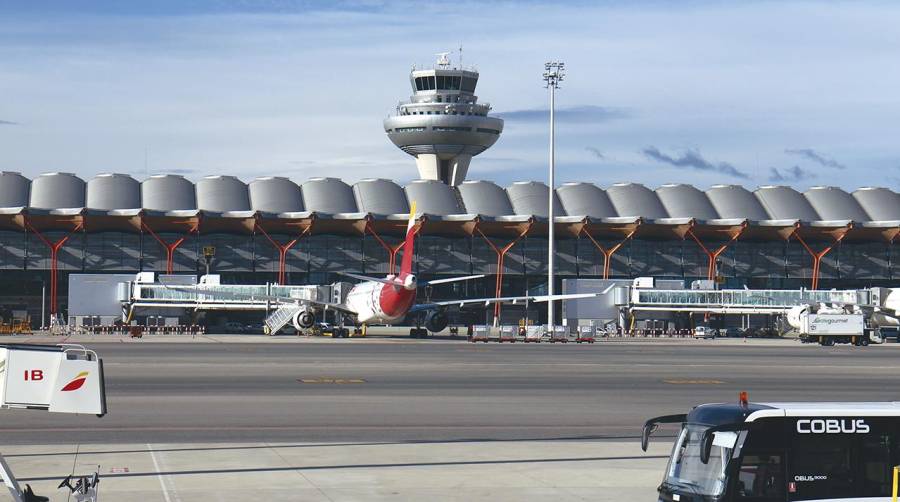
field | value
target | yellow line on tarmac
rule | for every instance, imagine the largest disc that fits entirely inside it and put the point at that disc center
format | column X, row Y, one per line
column 331, row 380
column 694, row 382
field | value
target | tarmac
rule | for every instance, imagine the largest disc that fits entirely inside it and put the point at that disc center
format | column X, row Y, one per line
column 442, row 471
column 232, row 417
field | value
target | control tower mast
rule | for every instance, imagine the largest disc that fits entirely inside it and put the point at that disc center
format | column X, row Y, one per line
column 442, row 125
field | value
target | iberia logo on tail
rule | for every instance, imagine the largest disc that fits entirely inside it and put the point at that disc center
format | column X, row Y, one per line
column 76, row 382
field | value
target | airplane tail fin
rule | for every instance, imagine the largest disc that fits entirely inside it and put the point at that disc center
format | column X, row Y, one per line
column 408, row 251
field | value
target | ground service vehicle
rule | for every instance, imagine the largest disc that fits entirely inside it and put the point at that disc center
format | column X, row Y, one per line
column 733, row 333
column 830, row 328
column 704, row 332
column 830, row 325
column 767, row 452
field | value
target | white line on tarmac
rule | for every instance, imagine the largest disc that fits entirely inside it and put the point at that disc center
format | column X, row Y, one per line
column 162, row 477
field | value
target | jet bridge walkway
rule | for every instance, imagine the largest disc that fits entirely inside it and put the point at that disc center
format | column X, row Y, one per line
column 739, row 301
column 217, row 297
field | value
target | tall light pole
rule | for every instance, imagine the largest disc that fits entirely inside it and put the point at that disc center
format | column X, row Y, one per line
column 554, row 71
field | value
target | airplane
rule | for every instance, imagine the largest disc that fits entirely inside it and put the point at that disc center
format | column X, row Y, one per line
column 376, row 300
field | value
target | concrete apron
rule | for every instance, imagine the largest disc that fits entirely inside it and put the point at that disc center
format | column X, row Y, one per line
column 557, row 470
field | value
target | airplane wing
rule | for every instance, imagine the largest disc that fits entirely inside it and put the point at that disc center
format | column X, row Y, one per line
column 421, row 283
column 451, row 279
column 504, row 299
column 368, row 278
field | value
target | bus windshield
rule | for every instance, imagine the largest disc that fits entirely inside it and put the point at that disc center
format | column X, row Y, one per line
column 687, row 473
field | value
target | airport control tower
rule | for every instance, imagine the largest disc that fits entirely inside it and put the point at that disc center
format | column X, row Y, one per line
column 443, row 125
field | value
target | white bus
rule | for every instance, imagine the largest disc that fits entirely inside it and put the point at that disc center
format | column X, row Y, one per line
column 766, row 452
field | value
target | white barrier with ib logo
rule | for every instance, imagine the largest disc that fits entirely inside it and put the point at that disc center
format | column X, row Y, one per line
column 55, row 378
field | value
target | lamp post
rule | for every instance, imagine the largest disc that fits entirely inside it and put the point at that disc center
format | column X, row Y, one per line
column 209, row 252
column 554, row 71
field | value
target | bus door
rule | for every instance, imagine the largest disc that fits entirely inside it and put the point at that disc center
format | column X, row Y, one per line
column 760, row 477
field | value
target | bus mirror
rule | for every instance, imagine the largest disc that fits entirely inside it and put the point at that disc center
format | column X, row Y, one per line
column 651, row 425
column 706, row 444
column 649, row 428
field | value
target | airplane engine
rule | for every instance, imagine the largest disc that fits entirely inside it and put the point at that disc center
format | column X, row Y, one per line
column 304, row 319
column 436, row 321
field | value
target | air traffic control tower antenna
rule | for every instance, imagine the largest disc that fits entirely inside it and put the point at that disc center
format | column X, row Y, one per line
column 442, row 125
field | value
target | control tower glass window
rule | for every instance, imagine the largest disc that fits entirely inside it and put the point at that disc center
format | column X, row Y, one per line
column 468, row 84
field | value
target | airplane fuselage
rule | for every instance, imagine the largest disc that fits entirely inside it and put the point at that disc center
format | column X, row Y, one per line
column 378, row 303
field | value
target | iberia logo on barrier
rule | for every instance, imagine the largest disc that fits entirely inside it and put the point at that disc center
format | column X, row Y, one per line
column 76, row 382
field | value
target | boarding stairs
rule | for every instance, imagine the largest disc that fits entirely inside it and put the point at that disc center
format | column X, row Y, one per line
column 281, row 317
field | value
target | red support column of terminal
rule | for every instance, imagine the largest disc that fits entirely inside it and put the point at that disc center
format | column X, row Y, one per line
column 283, row 249
column 501, row 254
column 609, row 252
column 712, row 256
column 817, row 257
column 54, row 259
column 392, row 250
column 170, row 247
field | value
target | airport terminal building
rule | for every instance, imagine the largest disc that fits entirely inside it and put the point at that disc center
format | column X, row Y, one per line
column 306, row 231
column 277, row 230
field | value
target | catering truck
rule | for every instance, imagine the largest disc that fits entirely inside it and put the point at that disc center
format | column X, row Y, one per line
column 830, row 325
column 767, row 452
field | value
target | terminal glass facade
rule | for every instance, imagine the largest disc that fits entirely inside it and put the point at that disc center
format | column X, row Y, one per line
column 317, row 259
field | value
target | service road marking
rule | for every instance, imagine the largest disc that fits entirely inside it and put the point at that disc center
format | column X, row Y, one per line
column 164, row 479
column 694, row 382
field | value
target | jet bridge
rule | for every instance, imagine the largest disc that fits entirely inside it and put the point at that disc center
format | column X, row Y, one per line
column 739, row 301
column 145, row 293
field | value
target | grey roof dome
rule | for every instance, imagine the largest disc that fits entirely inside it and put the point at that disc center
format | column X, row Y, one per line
column 217, row 194
column 531, row 198
column 433, row 197
column 222, row 193
column 14, row 189
column 880, row 204
column 274, row 194
column 735, row 201
column 485, row 198
column 785, row 203
column 380, row 196
column 57, row 191
column 328, row 195
column 168, row 192
column 633, row 199
column 585, row 199
column 113, row 191
column 685, row 201
column 832, row 203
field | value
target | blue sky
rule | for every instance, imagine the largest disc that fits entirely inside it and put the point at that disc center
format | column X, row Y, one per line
column 795, row 93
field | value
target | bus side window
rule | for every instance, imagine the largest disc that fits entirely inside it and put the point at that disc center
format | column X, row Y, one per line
column 761, row 477
column 877, row 466
column 822, row 466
